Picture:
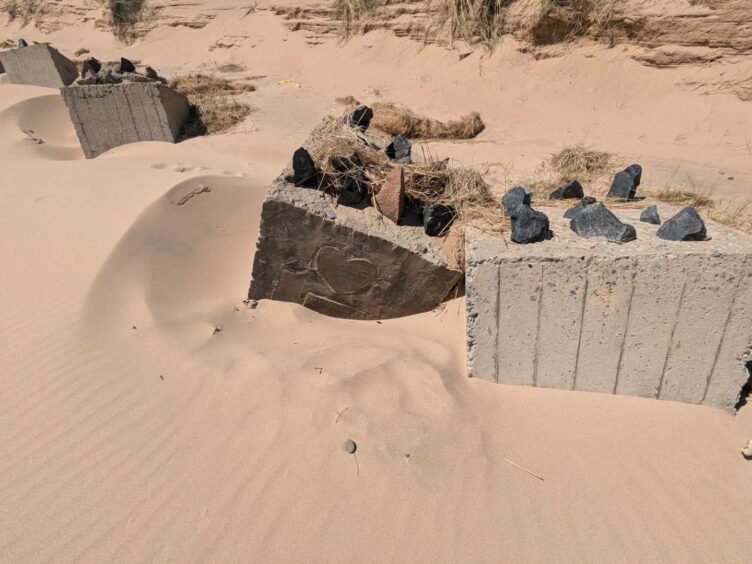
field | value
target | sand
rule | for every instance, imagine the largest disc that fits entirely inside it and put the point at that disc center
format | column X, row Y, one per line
column 147, row 414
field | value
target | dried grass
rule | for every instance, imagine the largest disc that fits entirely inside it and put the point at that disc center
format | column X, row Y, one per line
column 354, row 13
column 392, row 119
column 473, row 21
column 23, row 10
column 429, row 182
column 214, row 107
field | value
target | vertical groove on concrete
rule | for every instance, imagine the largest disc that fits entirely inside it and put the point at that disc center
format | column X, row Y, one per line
column 626, row 331
column 538, row 326
column 582, row 324
column 498, row 324
column 725, row 327
column 671, row 339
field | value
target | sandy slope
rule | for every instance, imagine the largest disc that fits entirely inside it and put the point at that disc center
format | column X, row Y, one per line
column 147, row 415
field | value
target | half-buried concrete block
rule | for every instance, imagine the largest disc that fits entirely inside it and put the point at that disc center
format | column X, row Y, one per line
column 654, row 318
column 109, row 115
column 38, row 65
column 346, row 261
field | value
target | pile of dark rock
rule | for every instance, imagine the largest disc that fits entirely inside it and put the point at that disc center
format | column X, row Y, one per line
column 94, row 72
column 351, row 188
column 590, row 218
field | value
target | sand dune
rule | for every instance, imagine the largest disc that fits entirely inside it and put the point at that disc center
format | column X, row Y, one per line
column 147, row 414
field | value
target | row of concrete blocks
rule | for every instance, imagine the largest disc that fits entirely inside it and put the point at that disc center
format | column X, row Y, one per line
column 105, row 116
column 653, row 318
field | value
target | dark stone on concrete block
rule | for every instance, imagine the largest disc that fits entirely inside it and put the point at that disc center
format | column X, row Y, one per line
column 650, row 215
column 437, row 218
column 571, row 190
column 353, row 190
column 304, row 169
column 126, row 65
column 361, row 117
column 38, row 65
column 626, row 182
column 399, row 150
column 687, row 225
column 515, row 197
column 91, row 67
column 529, row 225
column 596, row 220
column 109, row 115
column 571, row 213
column 151, row 73
column 22, row 43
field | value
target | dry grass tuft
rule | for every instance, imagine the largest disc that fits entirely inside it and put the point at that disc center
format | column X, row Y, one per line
column 128, row 16
column 214, row 107
column 397, row 120
column 473, row 21
column 23, row 10
column 354, row 13
column 580, row 161
column 429, row 182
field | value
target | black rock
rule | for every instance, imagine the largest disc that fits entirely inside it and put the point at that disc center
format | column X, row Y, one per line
column 304, row 169
column 596, row 220
column 350, row 446
column 515, row 197
column 91, row 66
column 22, row 43
column 361, row 117
column 151, row 73
column 626, row 182
column 687, row 225
column 437, row 218
column 650, row 215
column 126, row 65
column 571, row 189
column 399, row 150
column 353, row 191
column 571, row 213
column 529, row 225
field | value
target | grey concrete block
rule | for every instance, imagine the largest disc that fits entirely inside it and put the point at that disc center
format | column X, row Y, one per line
column 352, row 263
column 109, row 115
column 653, row 318
column 38, row 65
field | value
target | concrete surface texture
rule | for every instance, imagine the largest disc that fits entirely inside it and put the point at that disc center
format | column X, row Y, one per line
column 38, row 65
column 346, row 262
column 653, row 318
column 109, row 115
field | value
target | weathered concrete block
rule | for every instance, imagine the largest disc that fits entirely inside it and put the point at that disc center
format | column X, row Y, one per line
column 653, row 318
column 38, row 65
column 109, row 115
column 347, row 262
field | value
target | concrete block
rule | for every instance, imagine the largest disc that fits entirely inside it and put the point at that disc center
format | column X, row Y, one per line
column 38, row 65
column 109, row 115
column 346, row 262
column 653, row 318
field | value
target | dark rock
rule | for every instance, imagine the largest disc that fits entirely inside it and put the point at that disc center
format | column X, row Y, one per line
column 529, row 225
column 626, row 182
column 650, row 215
column 361, row 117
column 515, row 197
column 596, row 220
column 353, row 191
column 350, row 446
column 304, row 169
column 126, row 65
column 571, row 190
column 437, row 218
column 91, row 67
column 399, row 150
column 571, row 213
column 151, row 73
column 22, row 43
column 687, row 225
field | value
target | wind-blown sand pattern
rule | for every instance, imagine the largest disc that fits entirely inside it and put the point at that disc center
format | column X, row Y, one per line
column 147, row 414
